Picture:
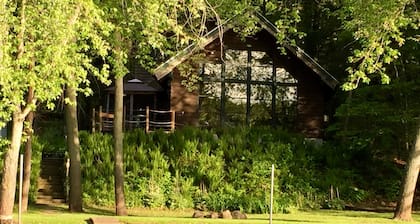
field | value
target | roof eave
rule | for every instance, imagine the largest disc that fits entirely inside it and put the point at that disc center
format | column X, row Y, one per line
column 164, row 69
column 325, row 76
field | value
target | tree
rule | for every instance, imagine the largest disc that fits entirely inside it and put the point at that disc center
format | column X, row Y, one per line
column 409, row 65
column 73, row 144
column 40, row 33
column 120, row 208
column 380, row 28
column 94, row 36
column 27, row 156
column 405, row 203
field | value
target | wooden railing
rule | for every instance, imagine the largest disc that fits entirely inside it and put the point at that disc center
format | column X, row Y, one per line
column 102, row 121
column 150, row 120
column 160, row 120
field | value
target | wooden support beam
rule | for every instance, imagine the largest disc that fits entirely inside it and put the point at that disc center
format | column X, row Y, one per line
column 274, row 96
column 248, row 86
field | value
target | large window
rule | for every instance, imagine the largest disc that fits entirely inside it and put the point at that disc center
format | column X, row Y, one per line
column 247, row 89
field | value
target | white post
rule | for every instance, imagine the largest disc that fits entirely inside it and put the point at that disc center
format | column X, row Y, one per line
column 272, row 194
column 20, row 189
column 67, row 179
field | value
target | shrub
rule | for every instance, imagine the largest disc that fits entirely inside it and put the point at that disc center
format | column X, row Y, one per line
column 222, row 169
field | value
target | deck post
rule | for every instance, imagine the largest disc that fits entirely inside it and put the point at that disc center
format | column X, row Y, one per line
column 100, row 119
column 172, row 120
column 93, row 120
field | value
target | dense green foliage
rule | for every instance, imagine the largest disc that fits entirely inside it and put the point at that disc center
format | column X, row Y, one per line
column 380, row 37
column 230, row 169
column 57, row 45
column 38, row 145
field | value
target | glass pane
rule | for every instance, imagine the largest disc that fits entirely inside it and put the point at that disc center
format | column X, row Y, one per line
column 284, row 76
column 235, row 72
column 262, row 66
column 261, row 58
column 286, row 106
column 212, row 71
column 236, row 64
column 235, row 104
column 209, row 112
column 262, row 73
column 236, row 92
column 210, row 104
column 211, row 89
column 287, row 94
column 236, row 57
column 261, row 104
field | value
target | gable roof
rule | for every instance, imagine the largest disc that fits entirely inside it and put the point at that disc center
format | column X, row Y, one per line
column 166, row 67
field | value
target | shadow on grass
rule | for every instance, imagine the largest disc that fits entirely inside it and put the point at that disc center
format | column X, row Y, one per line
column 49, row 208
column 98, row 211
column 385, row 214
column 63, row 208
column 284, row 220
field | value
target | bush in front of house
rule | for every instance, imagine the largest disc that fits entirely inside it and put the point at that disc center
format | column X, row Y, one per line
column 230, row 168
column 215, row 170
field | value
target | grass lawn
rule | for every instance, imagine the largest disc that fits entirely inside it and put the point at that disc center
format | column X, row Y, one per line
column 59, row 215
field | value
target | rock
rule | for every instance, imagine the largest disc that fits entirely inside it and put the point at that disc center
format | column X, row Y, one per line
column 226, row 215
column 214, row 215
column 198, row 214
column 238, row 215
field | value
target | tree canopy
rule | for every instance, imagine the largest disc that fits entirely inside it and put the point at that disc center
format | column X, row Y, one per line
column 380, row 28
column 43, row 44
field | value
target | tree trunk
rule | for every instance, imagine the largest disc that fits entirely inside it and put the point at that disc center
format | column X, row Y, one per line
column 27, row 165
column 120, row 208
column 11, row 157
column 75, row 195
column 8, row 184
column 404, row 206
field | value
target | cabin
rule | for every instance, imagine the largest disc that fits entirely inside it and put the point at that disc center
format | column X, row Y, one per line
column 244, row 81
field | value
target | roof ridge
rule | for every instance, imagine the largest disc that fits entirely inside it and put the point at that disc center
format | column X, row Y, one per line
column 163, row 69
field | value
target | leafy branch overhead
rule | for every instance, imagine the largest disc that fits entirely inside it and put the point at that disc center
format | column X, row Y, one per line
column 379, row 36
column 44, row 45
